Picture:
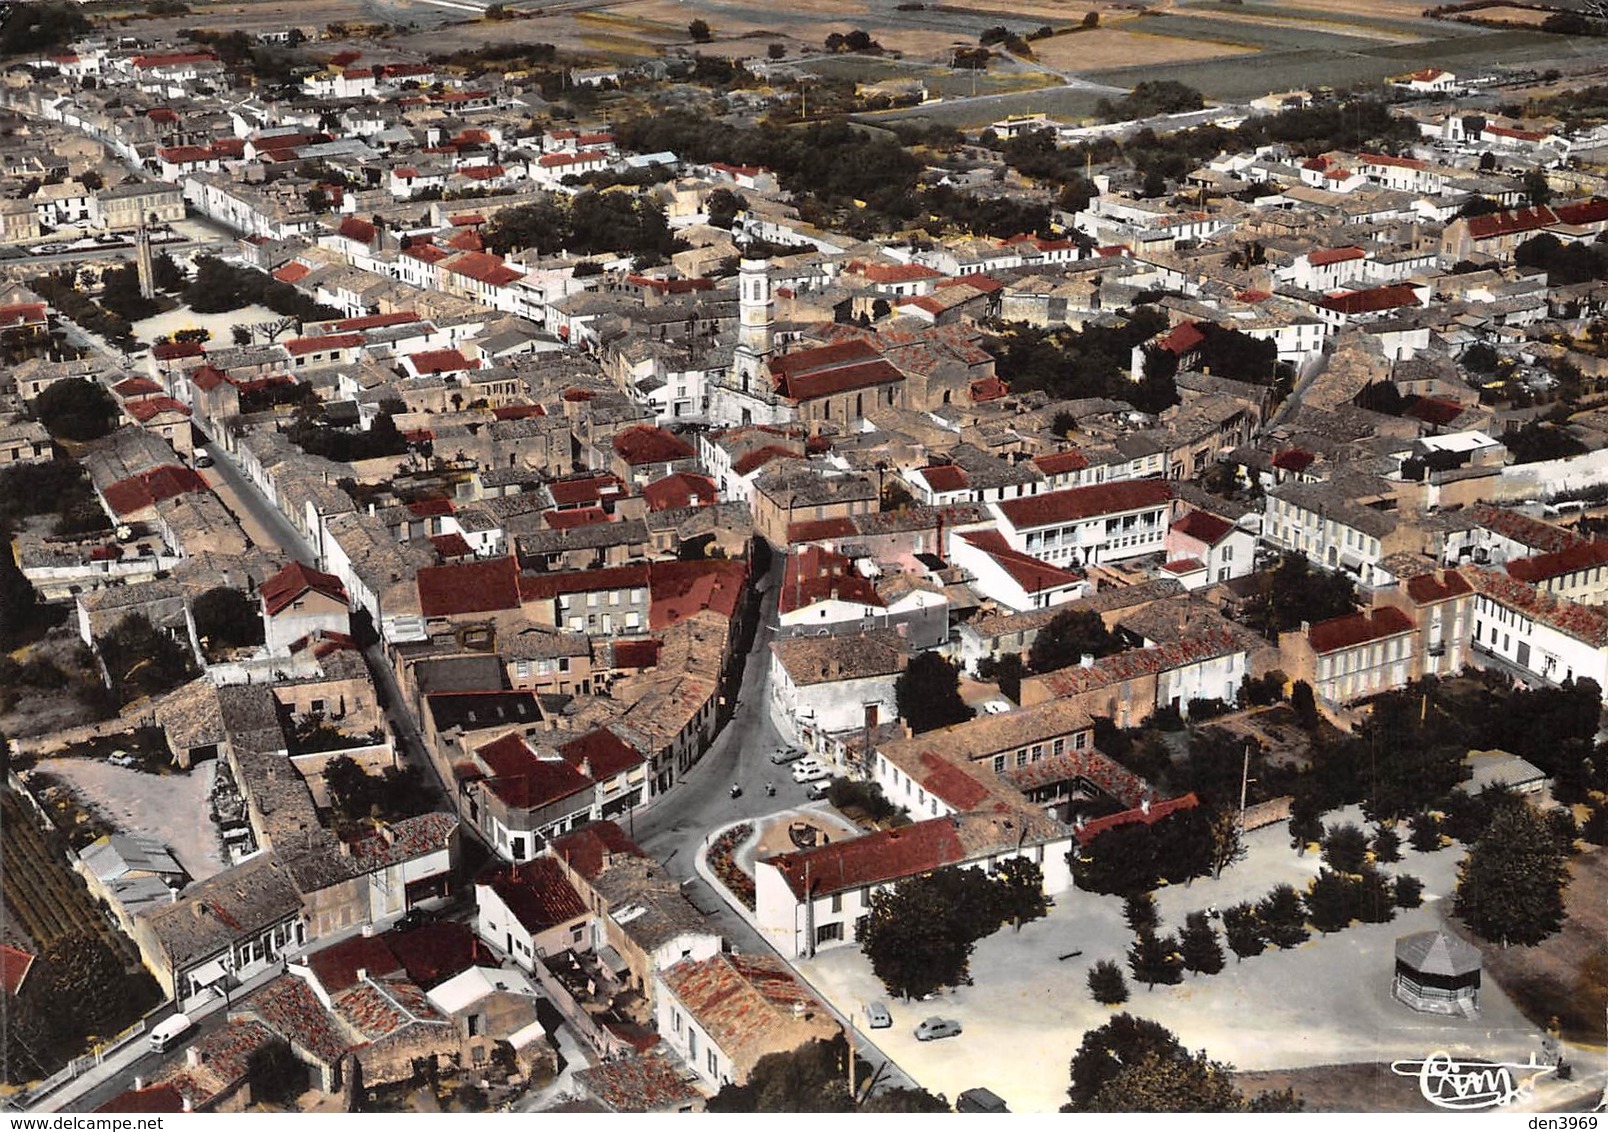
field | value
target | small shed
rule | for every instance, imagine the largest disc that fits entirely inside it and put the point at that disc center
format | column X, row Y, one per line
column 1437, row 973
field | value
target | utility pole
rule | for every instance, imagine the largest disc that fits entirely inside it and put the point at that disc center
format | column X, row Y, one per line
column 1245, row 782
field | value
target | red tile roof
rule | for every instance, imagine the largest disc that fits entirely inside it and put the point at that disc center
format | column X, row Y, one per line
column 945, row 477
column 1520, row 528
column 483, row 267
column 434, row 953
column 1204, row 526
column 451, row 546
column 149, row 407
column 518, row 412
column 584, row 490
column 683, row 489
column 1183, row 338
column 601, row 754
column 469, row 587
column 523, row 780
column 587, row 850
column 1026, row 571
column 136, row 387
column 138, row 492
column 814, row 574
column 440, row 361
column 1085, row 502
column 168, row 351
column 575, row 517
column 1555, row 564
column 337, row 965
column 300, row 346
column 636, row 654
column 1054, row 463
column 165, row 1097
column 537, row 892
column 1088, row 831
column 678, row 590
column 1378, row 299
column 812, row 530
column 824, row 370
column 359, row 230
column 546, row 587
column 292, row 272
column 14, row 966
column 1325, row 256
column 296, row 579
column 649, row 444
column 1358, row 629
column 1427, row 588
column 1293, row 460
column 752, row 461
column 876, row 858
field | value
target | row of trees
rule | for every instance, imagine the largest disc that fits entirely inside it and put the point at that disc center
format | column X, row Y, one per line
column 1094, row 362
column 920, row 933
column 221, row 286
column 1136, row 1065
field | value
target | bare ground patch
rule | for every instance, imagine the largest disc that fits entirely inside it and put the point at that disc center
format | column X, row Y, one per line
column 1566, row 976
column 1110, row 47
column 1341, row 1088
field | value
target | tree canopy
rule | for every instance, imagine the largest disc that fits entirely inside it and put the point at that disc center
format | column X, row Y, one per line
column 76, row 409
column 1136, row 1065
column 919, row 933
column 1293, row 592
column 142, row 660
column 227, row 617
column 1070, row 635
column 1510, row 886
column 928, row 694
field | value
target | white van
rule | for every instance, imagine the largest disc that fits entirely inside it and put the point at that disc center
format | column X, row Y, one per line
column 170, row 1031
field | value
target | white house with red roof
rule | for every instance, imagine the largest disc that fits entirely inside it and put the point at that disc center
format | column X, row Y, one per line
column 1429, row 80
column 822, row 593
column 1325, row 269
column 1224, row 549
column 299, row 601
column 529, row 909
column 1085, row 525
column 1017, row 581
column 1349, row 658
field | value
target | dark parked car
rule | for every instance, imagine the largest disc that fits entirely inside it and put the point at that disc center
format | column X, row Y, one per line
column 979, row 1100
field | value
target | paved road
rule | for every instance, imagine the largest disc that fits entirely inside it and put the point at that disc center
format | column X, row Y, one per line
column 253, row 509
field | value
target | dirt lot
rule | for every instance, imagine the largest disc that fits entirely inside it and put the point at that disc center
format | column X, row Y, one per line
column 172, row 808
column 1339, row 1088
column 1530, row 16
column 1565, row 976
column 1112, row 47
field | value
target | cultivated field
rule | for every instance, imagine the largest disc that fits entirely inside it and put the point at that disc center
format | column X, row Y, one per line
column 1117, row 47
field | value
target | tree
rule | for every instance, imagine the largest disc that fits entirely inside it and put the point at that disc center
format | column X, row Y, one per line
column 1329, row 900
column 1409, row 891
column 1198, row 943
column 1155, row 959
column 1536, row 189
column 928, row 694
column 90, row 985
column 19, row 601
column 142, row 660
column 76, row 409
column 1069, row 637
column 1243, row 930
column 276, row 1076
column 1091, row 19
column 698, row 31
column 1386, row 845
column 1510, row 886
column 1304, row 704
column 227, row 617
column 1424, row 832
column 1293, row 592
column 1136, row 1065
column 1227, row 840
column 1306, row 818
column 815, row 1078
column 1006, row 671
column 723, row 206
column 776, row 51
column 1020, row 896
column 903, row 1099
column 316, row 199
column 919, row 934
column 1139, row 912
column 1345, row 848
column 1373, row 897
column 1283, row 917
column 1487, row 161
column 1106, row 983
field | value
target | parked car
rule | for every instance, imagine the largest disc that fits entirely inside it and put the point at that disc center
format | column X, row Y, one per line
column 819, row 789
column 784, row 755
column 203, row 459
column 122, row 758
column 934, row 1028
column 979, row 1100
column 810, row 772
column 877, row 1016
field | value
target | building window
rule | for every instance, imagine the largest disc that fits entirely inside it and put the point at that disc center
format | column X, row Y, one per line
column 837, row 902
column 675, row 1020
column 713, row 1068
column 828, row 933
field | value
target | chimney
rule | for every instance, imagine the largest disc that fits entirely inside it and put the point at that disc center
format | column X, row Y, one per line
column 1086, row 660
column 188, row 1107
column 139, row 1083
column 368, row 931
column 1144, row 804
column 362, row 974
column 192, row 1057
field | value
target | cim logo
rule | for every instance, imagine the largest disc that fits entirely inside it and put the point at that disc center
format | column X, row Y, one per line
column 1471, row 1083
